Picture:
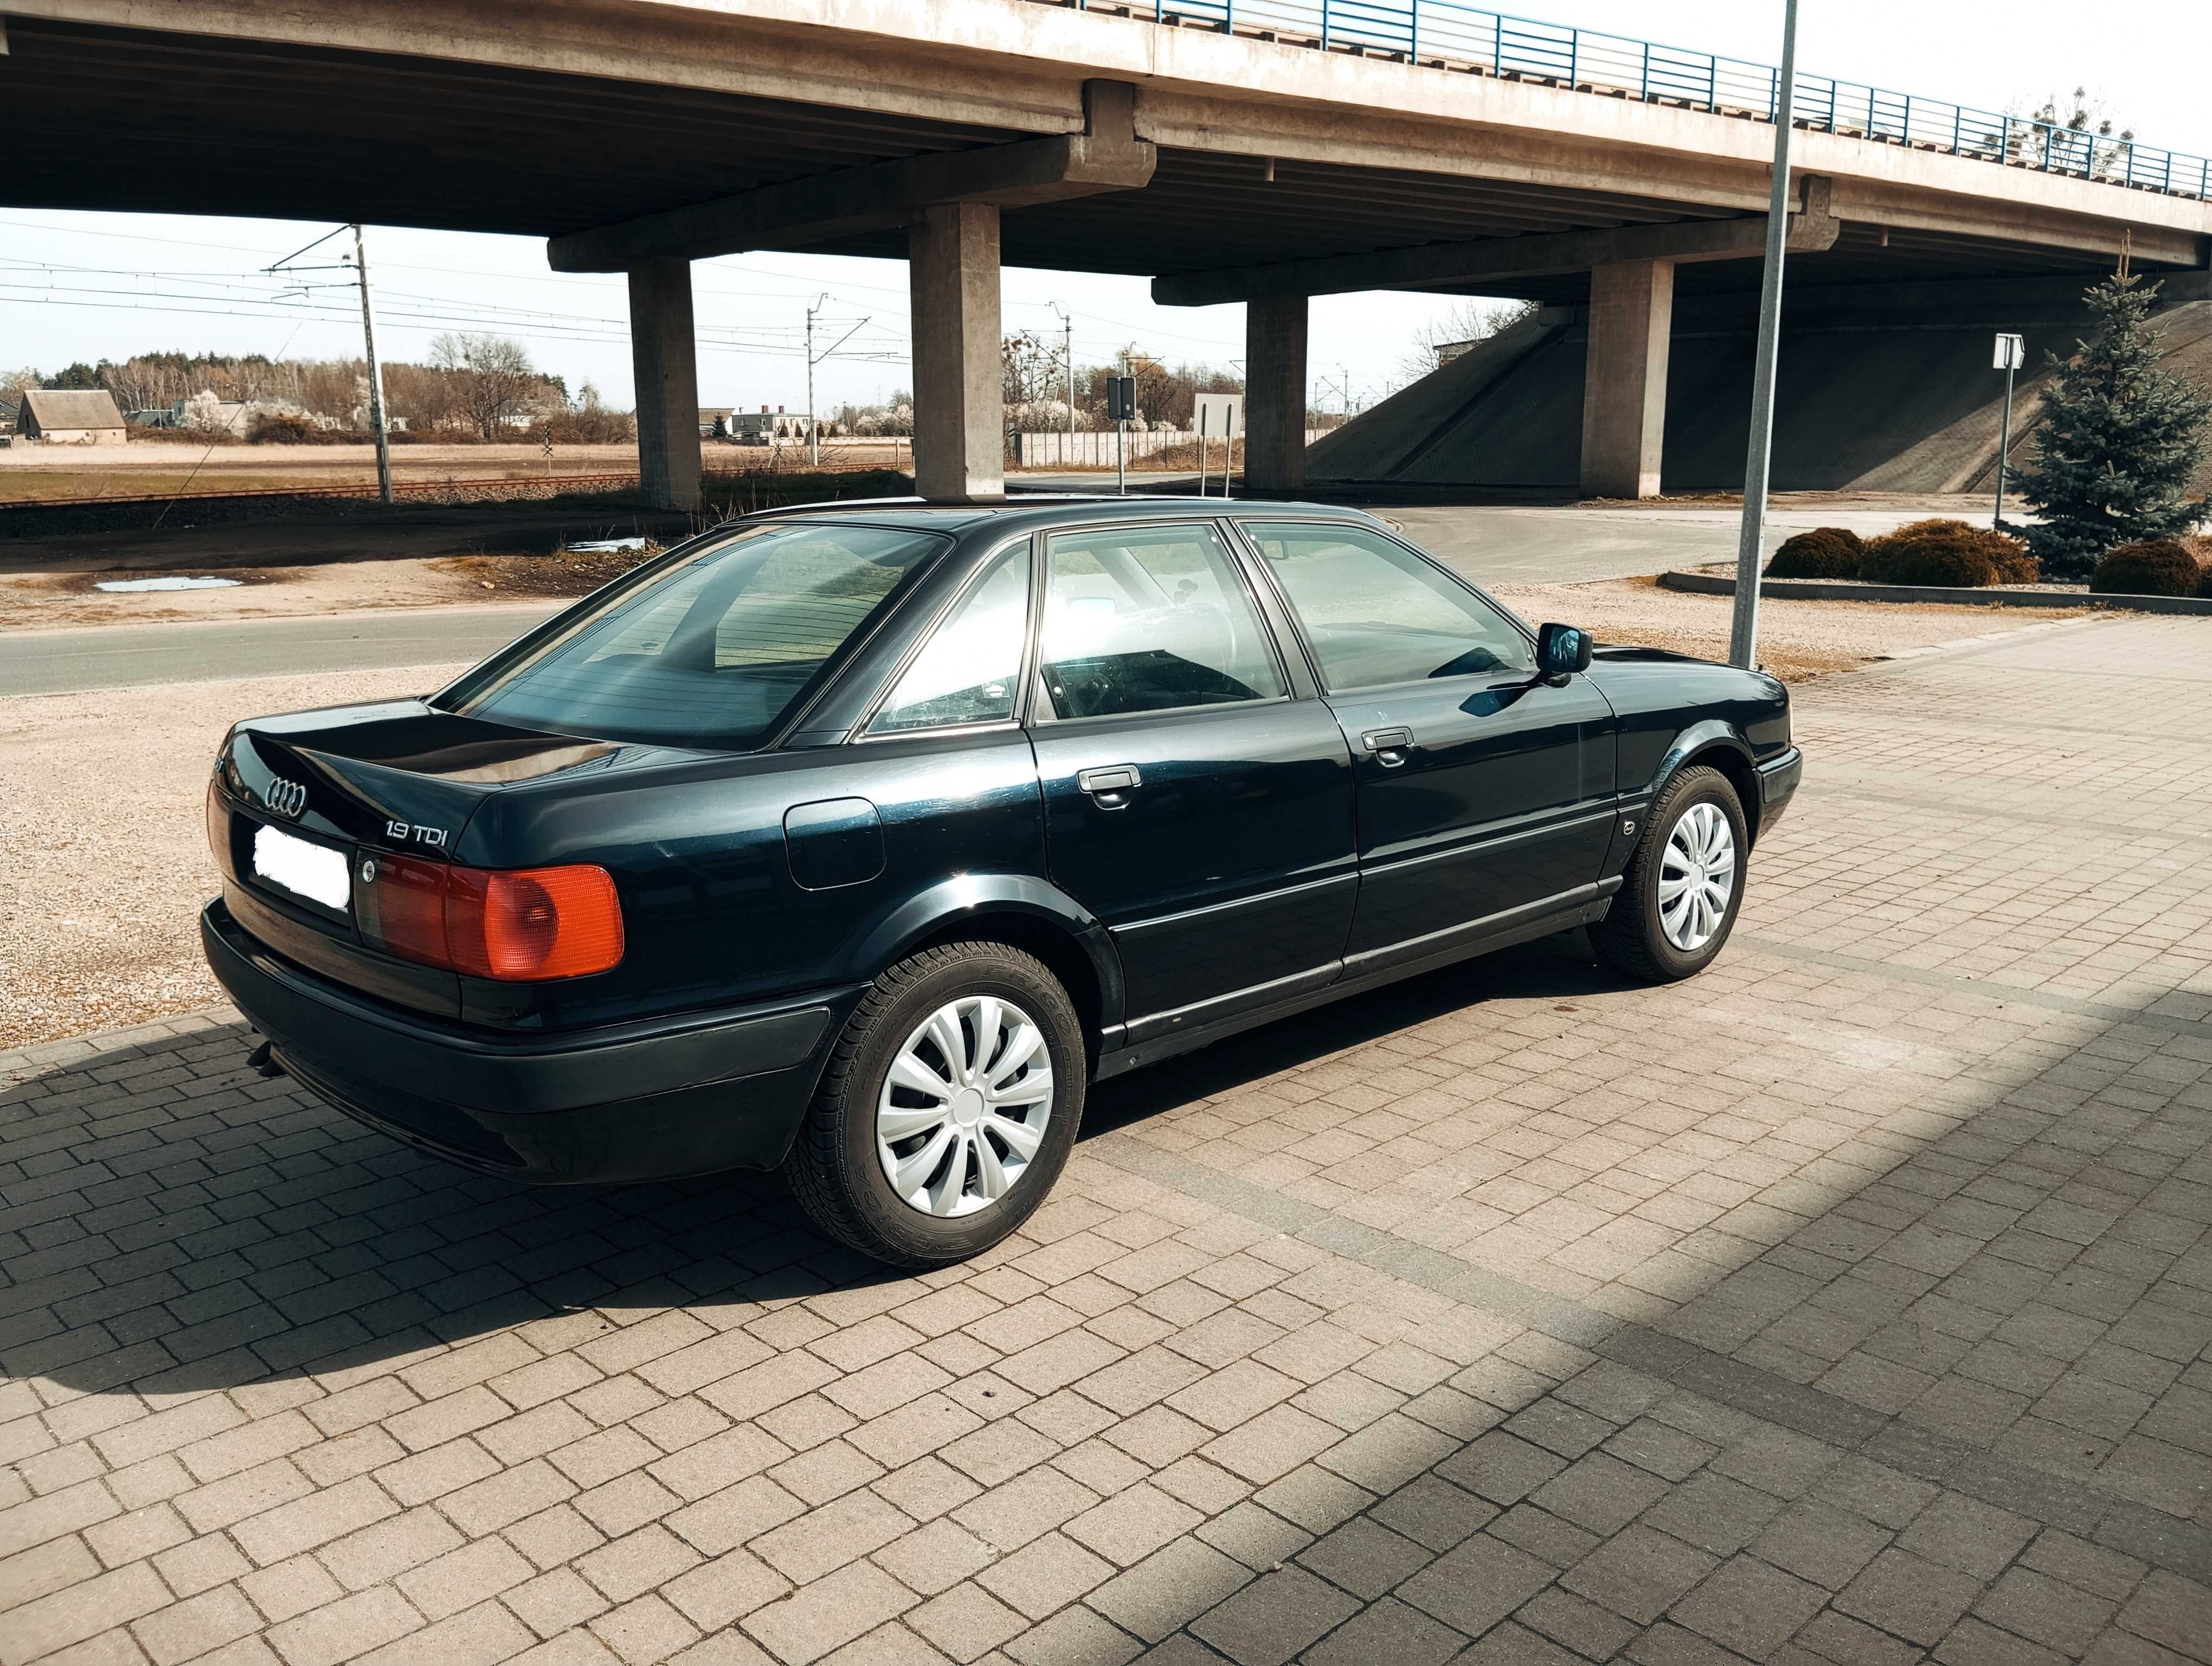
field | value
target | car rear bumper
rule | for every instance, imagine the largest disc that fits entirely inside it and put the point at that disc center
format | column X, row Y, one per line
column 651, row 1101
column 1777, row 782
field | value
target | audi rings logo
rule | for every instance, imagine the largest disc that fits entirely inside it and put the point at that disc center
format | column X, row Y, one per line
column 287, row 798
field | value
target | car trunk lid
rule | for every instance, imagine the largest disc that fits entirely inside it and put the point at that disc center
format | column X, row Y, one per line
column 303, row 794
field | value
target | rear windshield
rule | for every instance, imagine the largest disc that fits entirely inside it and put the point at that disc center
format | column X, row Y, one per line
column 713, row 650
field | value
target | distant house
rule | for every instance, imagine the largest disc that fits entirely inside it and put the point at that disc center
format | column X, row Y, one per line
column 766, row 427
column 716, row 420
column 71, row 416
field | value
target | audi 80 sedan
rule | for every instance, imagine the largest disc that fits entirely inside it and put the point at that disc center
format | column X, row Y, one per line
column 859, row 840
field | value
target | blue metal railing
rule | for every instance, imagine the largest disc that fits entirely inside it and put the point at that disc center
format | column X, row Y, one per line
column 1452, row 35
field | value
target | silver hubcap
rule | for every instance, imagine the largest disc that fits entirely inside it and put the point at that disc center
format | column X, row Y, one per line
column 964, row 1109
column 1697, row 876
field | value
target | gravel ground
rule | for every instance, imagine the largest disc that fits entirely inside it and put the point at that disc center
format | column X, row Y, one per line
column 103, row 848
column 1796, row 640
column 103, row 867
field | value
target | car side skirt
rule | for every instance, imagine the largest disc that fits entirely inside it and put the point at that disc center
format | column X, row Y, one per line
column 1202, row 1025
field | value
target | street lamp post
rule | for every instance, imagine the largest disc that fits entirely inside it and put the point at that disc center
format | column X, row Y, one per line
column 1743, row 634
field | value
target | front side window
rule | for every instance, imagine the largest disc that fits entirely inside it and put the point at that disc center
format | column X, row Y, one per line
column 715, row 649
column 971, row 667
column 1376, row 614
column 1151, row 618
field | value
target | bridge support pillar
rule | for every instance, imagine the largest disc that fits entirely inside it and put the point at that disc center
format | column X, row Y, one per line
column 1631, row 316
column 1275, row 396
column 959, row 411
column 665, row 356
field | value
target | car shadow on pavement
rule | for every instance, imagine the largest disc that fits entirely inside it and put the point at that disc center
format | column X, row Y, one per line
column 1499, row 1433
column 256, row 1234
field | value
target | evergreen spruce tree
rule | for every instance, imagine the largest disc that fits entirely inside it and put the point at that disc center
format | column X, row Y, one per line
column 2119, row 441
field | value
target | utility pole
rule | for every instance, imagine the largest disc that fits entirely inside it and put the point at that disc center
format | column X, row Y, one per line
column 813, row 423
column 1067, row 350
column 376, row 417
column 813, row 428
column 1743, row 633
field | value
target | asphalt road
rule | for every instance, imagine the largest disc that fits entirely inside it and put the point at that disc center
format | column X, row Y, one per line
column 1489, row 544
column 122, row 656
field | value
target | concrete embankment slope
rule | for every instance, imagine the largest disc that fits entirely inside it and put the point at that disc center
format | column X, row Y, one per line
column 1885, row 389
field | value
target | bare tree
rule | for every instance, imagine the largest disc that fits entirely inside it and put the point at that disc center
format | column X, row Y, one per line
column 2077, row 131
column 1468, row 320
column 493, row 377
column 13, row 382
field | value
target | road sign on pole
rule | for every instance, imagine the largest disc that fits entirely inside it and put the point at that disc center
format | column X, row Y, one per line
column 1120, row 406
column 2010, row 354
column 1222, row 413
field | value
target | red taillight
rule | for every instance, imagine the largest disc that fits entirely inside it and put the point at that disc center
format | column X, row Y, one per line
column 411, row 908
column 538, row 922
column 517, row 926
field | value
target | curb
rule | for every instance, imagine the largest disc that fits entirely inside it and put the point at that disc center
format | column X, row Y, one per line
column 1842, row 590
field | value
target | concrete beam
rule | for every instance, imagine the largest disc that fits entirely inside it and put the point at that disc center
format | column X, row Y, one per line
column 1631, row 321
column 1275, row 396
column 1108, row 156
column 1441, row 265
column 959, row 409
column 664, row 355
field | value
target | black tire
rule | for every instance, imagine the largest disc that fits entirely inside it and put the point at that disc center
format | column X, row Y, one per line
column 1630, row 938
column 834, row 1167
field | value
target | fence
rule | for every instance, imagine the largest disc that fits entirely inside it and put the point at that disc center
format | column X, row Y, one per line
column 1086, row 449
column 1446, row 35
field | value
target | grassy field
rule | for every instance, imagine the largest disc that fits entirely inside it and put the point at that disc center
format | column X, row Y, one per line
column 92, row 472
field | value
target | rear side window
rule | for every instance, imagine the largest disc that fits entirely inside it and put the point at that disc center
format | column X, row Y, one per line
column 1376, row 614
column 970, row 669
column 1151, row 618
column 714, row 650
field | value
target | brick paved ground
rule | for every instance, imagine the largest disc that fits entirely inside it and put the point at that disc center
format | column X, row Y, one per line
column 1849, row 1304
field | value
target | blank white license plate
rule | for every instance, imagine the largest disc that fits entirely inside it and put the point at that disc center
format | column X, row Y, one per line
column 312, row 871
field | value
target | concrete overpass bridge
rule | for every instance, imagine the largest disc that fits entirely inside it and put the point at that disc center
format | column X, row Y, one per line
column 1231, row 152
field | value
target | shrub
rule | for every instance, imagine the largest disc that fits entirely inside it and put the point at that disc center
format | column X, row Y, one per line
column 2155, row 567
column 1826, row 552
column 290, row 428
column 1947, row 552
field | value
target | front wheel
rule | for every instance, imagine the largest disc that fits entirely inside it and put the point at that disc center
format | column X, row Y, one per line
column 948, row 1107
column 1678, row 900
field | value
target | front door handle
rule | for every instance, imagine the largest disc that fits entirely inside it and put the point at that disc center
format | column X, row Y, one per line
column 1110, row 784
column 1388, row 745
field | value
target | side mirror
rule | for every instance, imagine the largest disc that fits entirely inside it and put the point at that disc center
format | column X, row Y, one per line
column 1562, row 650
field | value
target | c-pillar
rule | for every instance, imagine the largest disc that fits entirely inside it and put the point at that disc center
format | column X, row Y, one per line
column 1631, row 315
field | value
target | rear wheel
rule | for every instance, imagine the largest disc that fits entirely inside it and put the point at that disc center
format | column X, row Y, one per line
column 947, row 1109
column 1678, row 900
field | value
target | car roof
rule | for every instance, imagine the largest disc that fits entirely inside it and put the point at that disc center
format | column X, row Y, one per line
column 1044, row 509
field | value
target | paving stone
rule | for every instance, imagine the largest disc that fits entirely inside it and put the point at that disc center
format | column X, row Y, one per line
column 1907, row 1595
column 1274, row 1618
column 1749, row 1607
column 1474, row 1586
column 1577, row 1320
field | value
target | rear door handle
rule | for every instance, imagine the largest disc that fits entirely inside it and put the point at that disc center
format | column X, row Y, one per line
column 1388, row 745
column 1114, row 778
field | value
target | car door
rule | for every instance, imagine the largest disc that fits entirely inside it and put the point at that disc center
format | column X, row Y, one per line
column 1198, row 799
column 1485, row 792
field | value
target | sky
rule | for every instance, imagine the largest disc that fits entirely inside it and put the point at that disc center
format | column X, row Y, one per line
column 89, row 286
